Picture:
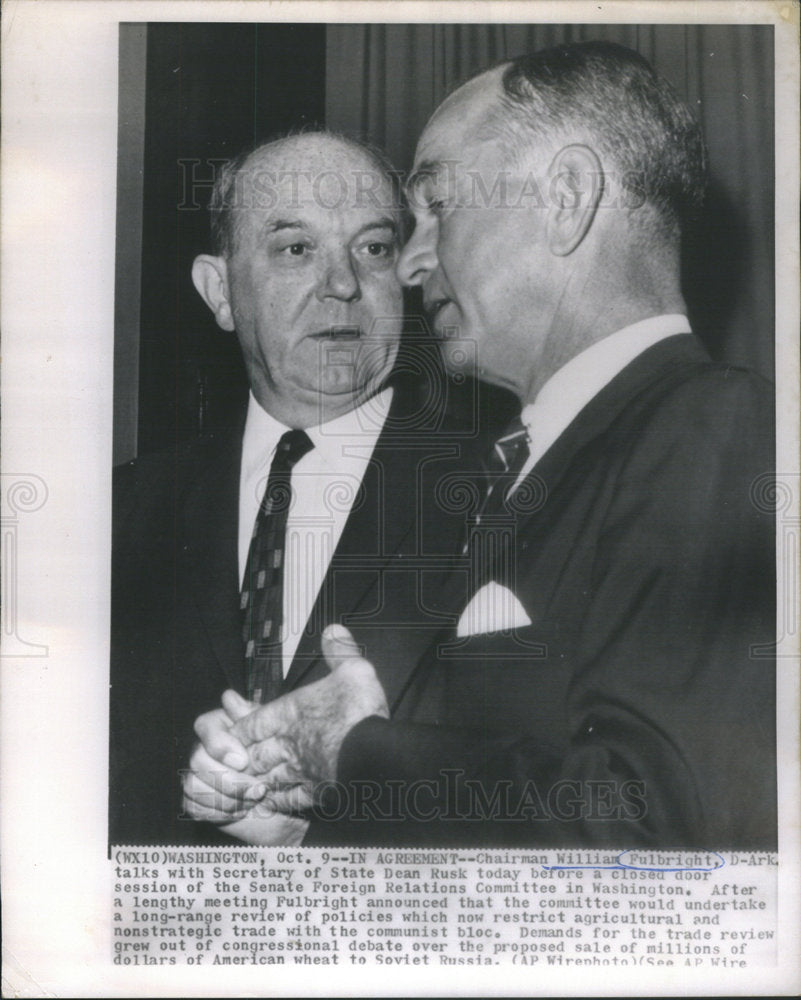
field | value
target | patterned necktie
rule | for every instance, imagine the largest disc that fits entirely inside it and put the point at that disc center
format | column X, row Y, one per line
column 262, row 599
column 508, row 456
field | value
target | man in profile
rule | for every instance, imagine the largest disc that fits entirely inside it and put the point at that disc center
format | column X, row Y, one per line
column 609, row 680
column 232, row 554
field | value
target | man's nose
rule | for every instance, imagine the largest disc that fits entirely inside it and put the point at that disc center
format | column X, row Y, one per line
column 419, row 257
column 339, row 280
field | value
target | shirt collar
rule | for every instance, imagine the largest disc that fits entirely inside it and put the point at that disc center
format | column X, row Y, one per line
column 569, row 389
column 263, row 431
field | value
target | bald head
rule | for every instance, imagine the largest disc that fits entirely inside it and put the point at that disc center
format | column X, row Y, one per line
column 319, row 167
column 474, row 102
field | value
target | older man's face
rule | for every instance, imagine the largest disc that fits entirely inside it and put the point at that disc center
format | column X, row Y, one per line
column 478, row 248
column 315, row 300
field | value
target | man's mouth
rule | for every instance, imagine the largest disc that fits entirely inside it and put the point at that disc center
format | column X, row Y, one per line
column 338, row 333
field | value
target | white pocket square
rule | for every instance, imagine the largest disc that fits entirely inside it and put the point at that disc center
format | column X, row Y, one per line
column 492, row 609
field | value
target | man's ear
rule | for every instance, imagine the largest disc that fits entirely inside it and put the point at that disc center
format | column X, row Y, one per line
column 210, row 277
column 576, row 188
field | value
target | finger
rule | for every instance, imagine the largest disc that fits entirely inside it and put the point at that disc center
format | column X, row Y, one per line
column 339, row 645
column 275, row 830
column 268, row 754
column 214, row 731
column 204, row 794
column 263, row 722
column 288, row 801
column 233, row 784
column 236, row 706
column 207, row 814
column 281, row 777
column 202, row 801
column 292, row 800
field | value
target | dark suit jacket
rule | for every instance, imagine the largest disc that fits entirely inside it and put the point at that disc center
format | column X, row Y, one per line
column 176, row 623
column 638, row 706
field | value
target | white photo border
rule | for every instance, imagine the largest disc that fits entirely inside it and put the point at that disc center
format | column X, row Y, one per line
column 59, row 172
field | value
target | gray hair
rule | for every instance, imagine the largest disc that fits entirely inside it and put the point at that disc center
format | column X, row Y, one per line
column 611, row 97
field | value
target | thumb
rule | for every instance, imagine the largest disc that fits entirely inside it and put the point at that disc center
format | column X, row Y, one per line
column 236, row 706
column 338, row 645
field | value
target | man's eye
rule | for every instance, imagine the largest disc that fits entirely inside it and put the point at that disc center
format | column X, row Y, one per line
column 295, row 250
column 376, row 249
column 436, row 206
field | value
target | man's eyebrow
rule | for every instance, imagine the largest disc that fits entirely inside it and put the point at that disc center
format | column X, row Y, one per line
column 275, row 225
column 384, row 223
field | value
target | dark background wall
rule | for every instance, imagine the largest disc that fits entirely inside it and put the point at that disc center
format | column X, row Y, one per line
column 212, row 89
column 193, row 95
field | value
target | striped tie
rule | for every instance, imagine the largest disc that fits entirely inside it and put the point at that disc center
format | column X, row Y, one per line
column 262, row 598
column 507, row 458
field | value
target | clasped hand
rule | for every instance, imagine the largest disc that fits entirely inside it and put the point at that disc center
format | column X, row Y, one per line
column 259, row 768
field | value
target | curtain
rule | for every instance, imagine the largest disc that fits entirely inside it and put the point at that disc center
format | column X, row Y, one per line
column 384, row 80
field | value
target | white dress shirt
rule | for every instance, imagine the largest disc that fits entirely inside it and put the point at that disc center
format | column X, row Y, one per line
column 325, row 483
column 568, row 391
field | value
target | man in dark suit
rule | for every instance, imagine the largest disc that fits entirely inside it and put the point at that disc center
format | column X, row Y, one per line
column 610, row 678
column 307, row 231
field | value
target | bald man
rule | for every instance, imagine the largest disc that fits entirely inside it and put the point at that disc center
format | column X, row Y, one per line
column 232, row 555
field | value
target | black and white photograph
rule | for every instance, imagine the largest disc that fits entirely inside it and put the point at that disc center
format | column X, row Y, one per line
column 575, row 653
column 420, row 576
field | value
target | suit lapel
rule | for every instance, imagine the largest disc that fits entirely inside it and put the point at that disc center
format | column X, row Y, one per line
column 207, row 561
column 666, row 362
column 654, row 371
column 385, row 524
column 372, row 537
